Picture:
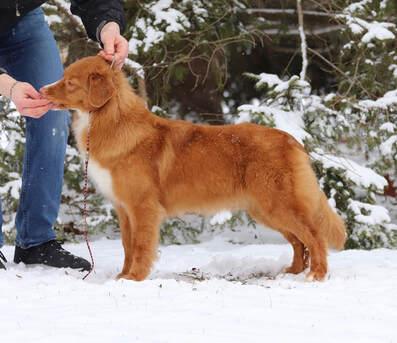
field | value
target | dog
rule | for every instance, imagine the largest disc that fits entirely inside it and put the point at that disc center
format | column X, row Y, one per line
column 152, row 168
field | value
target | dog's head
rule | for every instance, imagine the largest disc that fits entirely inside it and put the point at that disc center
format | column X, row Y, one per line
column 87, row 85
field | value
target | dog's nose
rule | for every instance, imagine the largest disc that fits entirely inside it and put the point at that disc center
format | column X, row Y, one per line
column 44, row 89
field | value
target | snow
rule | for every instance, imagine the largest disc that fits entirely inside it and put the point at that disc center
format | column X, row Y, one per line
column 357, row 6
column 386, row 148
column 164, row 20
column 211, row 292
column 276, row 111
column 388, row 126
column 221, row 218
column 55, row 18
column 388, row 99
column 287, row 121
column 271, row 80
column 393, row 68
column 12, row 187
column 303, row 41
column 373, row 30
column 152, row 37
column 378, row 31
column 4, row 139
column 133, row 45
column 200, row 12
column 360, row 175
column 376, row 214
column 138, row 68
column 164, row 13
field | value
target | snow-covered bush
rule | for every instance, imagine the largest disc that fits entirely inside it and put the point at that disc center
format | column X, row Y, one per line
column 11, row 152
column 351, row 188
column 351, row 134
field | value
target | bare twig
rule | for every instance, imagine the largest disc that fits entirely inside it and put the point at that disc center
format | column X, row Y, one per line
column 314, row 52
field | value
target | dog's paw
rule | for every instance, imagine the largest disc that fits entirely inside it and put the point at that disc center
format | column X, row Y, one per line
column 293, row 269
column 120, row 276
column 131, row 276
column 315, row 276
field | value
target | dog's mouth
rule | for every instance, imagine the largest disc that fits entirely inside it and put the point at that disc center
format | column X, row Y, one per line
column 56, row 105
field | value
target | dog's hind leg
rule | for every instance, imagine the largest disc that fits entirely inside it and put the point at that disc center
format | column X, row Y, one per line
column 126, row 237
column 300, row 223
column 147, row 217
column 318, row 252
column 297, row 225
column 309, row 237
column 305, row 238
column 301, row 254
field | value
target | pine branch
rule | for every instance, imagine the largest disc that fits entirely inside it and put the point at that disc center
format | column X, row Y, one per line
column 64, row 11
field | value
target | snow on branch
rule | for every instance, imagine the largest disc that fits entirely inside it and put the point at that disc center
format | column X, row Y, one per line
column 359, row 175
column 64, row 9
column 389, row 99
column 372, row 31
column 292, row 31
column 291, row 11
column 303, row 40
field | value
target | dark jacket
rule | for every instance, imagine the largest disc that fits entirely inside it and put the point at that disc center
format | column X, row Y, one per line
column 93, row 13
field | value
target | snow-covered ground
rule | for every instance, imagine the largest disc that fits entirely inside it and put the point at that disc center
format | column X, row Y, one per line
column 234, row 294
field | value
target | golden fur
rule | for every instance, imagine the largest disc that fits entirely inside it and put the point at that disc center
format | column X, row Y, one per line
column 163, row 167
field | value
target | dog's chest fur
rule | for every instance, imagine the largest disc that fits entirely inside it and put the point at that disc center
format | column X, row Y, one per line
column 101, row 176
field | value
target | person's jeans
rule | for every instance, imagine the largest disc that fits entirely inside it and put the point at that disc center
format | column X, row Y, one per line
column 29, row 53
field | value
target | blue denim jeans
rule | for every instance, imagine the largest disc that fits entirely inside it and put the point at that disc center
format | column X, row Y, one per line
column 29, row 53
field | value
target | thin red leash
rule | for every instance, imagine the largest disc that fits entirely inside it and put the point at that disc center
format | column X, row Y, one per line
column 85, row 190
column 85, row 194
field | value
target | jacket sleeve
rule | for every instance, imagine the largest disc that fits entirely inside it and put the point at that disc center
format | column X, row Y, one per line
column 95, row 13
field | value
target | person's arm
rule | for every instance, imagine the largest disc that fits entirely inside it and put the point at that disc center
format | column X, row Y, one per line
column 104, row 21
column 27, row 100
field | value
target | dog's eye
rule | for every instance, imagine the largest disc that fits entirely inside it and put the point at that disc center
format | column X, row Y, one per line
column 70, row 84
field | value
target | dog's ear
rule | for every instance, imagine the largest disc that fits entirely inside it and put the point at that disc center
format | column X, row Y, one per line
column 100, row 89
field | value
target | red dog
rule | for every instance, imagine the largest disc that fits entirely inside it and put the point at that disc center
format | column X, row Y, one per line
column 152, row 168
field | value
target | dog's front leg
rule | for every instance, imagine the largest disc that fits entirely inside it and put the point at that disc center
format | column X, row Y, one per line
column 126, row 237
column 147, row 217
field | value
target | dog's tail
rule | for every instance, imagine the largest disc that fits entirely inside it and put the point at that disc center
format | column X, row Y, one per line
column 332, row 224
column 323, row 217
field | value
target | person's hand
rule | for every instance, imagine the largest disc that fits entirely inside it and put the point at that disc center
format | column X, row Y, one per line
column 28, row 101
column 114, row 44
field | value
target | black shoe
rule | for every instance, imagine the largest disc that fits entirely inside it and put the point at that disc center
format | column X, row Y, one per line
column 51, row 254
column 2, row 257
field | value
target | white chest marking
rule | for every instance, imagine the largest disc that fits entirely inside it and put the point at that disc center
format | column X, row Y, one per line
column 101, row 176
column 102, row 179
